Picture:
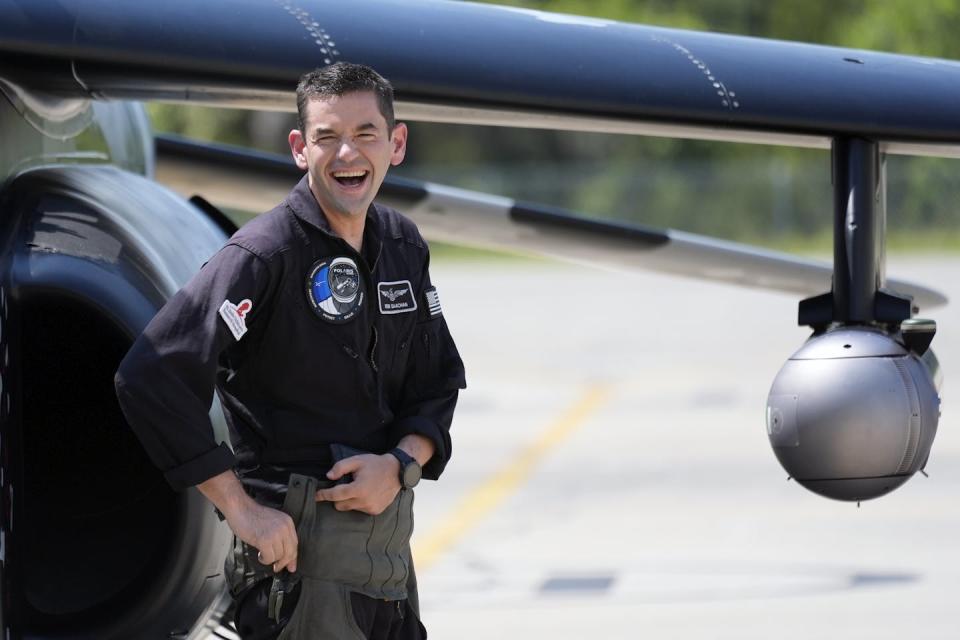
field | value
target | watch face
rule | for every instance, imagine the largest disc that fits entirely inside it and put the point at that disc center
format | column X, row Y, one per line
column 411, row 475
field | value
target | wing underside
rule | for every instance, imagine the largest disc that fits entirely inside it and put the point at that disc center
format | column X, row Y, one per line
column 253, row 181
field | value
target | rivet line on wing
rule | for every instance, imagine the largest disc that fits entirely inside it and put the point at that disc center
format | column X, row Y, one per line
column 319, row 36
column 728, row 98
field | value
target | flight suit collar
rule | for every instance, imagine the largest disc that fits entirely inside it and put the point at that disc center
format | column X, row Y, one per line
column 304, row 205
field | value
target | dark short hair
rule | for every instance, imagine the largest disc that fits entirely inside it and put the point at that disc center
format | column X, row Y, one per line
column 339, row 79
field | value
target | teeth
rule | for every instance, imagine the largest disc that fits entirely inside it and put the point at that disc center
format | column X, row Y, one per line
column 349, row 174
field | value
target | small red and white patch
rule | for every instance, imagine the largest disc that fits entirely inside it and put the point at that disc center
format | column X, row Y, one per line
column 235, row 316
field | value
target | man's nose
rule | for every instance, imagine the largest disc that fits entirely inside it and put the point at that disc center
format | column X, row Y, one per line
column 347, row 151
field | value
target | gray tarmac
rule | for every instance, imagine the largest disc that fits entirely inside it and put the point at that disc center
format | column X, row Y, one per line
column 612, row 477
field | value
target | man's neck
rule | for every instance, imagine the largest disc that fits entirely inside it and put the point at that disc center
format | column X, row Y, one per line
column 350, row 228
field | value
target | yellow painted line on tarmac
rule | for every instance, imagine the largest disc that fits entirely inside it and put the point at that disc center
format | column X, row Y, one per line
column 486, row 497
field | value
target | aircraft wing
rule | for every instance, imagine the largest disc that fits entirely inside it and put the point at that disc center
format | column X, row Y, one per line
column 244, row 179
column 471, row 63
column 484, row 64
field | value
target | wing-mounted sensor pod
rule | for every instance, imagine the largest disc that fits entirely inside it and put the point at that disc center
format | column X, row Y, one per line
column 853, row 413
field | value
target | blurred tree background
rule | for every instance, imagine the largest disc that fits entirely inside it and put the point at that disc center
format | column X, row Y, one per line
column 773, row 196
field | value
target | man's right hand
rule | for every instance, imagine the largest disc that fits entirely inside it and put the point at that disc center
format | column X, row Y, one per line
column 270, row 531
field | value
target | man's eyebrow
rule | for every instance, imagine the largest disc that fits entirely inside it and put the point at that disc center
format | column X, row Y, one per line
column 366, row 126
column 322, row 132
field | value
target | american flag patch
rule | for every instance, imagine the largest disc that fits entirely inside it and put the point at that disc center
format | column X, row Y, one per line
column 433, row 301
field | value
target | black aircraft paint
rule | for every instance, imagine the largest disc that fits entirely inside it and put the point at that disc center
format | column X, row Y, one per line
column 464, row 54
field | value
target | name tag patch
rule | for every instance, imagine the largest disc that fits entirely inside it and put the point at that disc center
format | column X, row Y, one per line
column 235, row 316
column 396, row 297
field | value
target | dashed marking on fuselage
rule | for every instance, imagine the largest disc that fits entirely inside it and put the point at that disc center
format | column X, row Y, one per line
column 319, row 35
column 728, row 97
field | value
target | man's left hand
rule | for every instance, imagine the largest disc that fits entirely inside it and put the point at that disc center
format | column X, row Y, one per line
column 376, row 482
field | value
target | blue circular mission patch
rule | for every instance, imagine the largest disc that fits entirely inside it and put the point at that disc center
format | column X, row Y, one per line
column 335, row 289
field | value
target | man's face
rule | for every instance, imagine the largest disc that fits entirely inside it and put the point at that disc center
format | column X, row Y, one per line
column 346, row 149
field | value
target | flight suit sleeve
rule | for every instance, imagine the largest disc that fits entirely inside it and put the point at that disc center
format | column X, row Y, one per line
column 165, row 384
column 434, row 378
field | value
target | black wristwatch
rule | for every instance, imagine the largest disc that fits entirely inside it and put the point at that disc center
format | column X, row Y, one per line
column 410, row 470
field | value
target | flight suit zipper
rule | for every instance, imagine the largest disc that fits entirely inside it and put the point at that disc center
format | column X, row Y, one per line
column 373, row 349
column 368, row 273
column 426, row 345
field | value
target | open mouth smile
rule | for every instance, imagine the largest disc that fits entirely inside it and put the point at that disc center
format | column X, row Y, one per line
column 351, row 179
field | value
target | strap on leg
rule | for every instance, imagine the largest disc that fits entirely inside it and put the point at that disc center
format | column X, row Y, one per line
column 300, row 504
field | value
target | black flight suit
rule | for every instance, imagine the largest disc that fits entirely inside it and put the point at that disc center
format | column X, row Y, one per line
column 306, row 342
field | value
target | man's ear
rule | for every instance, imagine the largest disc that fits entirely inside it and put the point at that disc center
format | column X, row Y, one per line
column 297, row 148
column 398, row 138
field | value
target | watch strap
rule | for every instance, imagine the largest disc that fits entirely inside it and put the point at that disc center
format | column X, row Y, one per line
column 401, row 455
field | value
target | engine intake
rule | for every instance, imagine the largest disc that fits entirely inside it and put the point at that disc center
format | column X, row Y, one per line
column 97, row 544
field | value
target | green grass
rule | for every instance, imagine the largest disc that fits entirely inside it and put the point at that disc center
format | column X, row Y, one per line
column 901, row 242
column 924, row 241
column 921, row 242
column 445, row 252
